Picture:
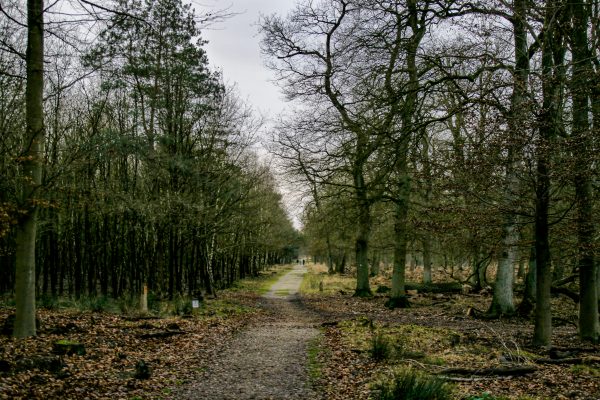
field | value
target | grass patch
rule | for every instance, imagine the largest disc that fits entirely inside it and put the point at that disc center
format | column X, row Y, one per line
column 130, row 306
column 262, row 283
column 412, row 385
column 315, row 368
column 317, row 278
column 222, row 308
column 585, row 369
column 381, row 347
column 399, row 342
column 180, row 305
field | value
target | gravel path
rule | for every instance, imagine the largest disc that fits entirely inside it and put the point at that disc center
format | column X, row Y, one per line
column 266, row 360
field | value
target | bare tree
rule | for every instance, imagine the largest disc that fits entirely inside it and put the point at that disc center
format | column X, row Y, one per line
column 31, row 165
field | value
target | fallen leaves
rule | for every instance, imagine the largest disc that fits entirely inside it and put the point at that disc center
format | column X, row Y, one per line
column 439, row 336
column 167, row 353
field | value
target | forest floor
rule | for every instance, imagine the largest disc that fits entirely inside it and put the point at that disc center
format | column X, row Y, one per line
column 177, row 350
column 435, row 335
column 256, row 343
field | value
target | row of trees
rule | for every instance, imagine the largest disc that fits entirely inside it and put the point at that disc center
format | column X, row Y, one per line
column 468, row 130
column 133, row 163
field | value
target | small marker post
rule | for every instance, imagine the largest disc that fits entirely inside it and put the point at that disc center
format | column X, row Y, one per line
column 144, row 300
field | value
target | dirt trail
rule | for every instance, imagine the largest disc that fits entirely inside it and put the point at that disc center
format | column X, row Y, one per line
column 268, row 360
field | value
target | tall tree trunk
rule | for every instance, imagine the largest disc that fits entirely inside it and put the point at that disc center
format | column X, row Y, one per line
column 375, row 263
column 502, row 302
column 552, row 55
column 171, row 263
column 341, row 268
column 407, row 131
column 330, row 268
column 595, row 98
column 32, row 172
column 362, row 236
column 476, row 265
column 427, row 263
column 316, row 199
column 528, row 302
column 426, row 238
column 543, row 315
column 398, row 292
column 589, row 327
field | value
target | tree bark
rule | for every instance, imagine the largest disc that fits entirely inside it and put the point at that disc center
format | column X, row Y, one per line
column 589, row 327
column 375, row 263
column 552, row 54
column 426, row 239
column 407, row 131
column 502, row 302
column 427, row 263
column 528, row 302
column 398, row 292
column 32, row 172
column 362, row 237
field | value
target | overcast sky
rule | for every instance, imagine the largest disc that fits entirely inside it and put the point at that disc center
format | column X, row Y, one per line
column 233, row 48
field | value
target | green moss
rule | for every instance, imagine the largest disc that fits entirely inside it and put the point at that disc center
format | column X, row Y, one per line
column 585, row 370
column 68, row 347
column 66, row 342
column 315, row 367
column 434, row 361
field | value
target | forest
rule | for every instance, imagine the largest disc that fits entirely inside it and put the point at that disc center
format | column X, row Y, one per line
column 456, row 135
column 141, row 168
column 442, row 152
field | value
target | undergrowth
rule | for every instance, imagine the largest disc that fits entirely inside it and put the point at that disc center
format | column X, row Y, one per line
column 318, row 281
column 180, row 305
column 381, row 348
column 411, row 385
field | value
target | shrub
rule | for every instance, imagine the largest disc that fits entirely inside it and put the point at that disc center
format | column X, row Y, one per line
column 48, row 302
column 412, row 385
column 94, row 304
column 128, row 305
column 154, row 303
column 182, row 305
column 99, row 304
column 381, row 348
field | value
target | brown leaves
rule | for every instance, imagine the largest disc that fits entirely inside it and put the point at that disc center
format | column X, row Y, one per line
column 442, row 337
column 113, row 349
